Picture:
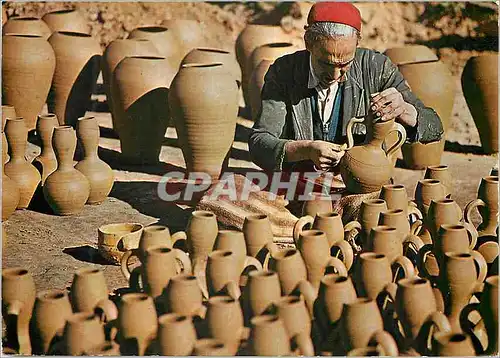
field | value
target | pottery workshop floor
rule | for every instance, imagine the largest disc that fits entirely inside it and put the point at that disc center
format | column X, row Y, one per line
column 54, row 247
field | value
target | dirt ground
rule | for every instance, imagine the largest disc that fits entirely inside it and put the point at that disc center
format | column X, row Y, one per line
column 53, row 247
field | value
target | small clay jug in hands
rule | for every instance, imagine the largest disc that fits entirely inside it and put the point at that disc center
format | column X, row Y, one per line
column 426, row 191
column 184, row 296
column 487, row 204
column 99, row 174
column 83, row 332
column 441, row 173
column 66, row 20
column 66, row 189
column 449, row 344
column 46, row 162
column 258, row 236
column 369, row 215
column 291, row 269
column 52, row 309
column 18, row 299
column 396, row 197
column 176, row 335
column 202, row 230
column 23, row 173
column 27, row 26
column 260, row 293
column 234, row 241
column 113, row 239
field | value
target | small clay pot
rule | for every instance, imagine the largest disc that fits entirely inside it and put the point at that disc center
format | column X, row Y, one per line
column 396, row 218
column 487, row 204
column 410, row 54
column 211, row 347
column 452, row 237
column 261, row 292
column 26, row 26
column 452, row 345
column 83, row 332
column 184, row 296
column 317, row 204
column 258, row 235
column 7, row 112
column 369, row 214
column 428, row 190
column 176, row 335
column 293, row 311
column 113, row 239
column 46, row 162
column 202, row 230
column 225, row 321
column 291, row 269
column 66, row 20
column 441, row 173
column 107, row 349
column 396, row 197
column 222, row 273
column 268, row 336
column 189, row 34
column 384, row 240
column 234, row 241
column 443, row 211
column 10, row 197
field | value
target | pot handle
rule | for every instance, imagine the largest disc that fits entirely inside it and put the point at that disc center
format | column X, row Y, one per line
column 299, row 226
column 350, row 137
column 106, row 310
column 439, row 321
column 250, row 261
column 384, row 340
column 306, row 289
column 483, row 266
column 416, row 227
column 337, row 265
column 472, row 233
column 179, row 236
column 414, row 242
column 402, row 138
column 421, row 257
column 471, row 206
column 304, row 344
column 183, row 258
column 414, row 210
column 125, row 260
column 347, row 253
column 199, row 267
column 405, row 264
column 352, row 225
column 468, row 328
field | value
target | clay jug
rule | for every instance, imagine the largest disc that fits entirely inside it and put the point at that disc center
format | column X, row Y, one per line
column 23, row 173
column 31, row 78
column 108, row 349
column 441, row 173
column 222, row 274
column 318, row 203
column 269, row 337
column 113, row 239
column 293, row 311
column 184, row 296
column 46, row 162
column 26, row 26
column 216, row 104
column 365, row 168
column 99, row 174
column 66, row 20
column 480, row 87
column 4, row 16
column 410, row 54
column 137, row 323
column 369, row 215
column 258, row 236
column 426, row 191
column 418, row 156
column 291, row 269
column 442, row 211
column 396, row 197
column 10, row 197
column 116, row 51
column 452, row 345
column 487, row 204
column 261, row 292
column 140, row 92
column 52, row 309
column 202, row 230
column 18, row 299
column 234, row 241
column 211, row 347
column 189, row 34
column 366, row 352
column 7, row 112
column 83, row 332
column 256, row 83
column 75, row 75
column 397, row 219
column 66, row 189
column 176, row 335
column 385, row 240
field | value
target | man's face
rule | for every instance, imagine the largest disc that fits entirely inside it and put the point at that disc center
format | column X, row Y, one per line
column 332, row 58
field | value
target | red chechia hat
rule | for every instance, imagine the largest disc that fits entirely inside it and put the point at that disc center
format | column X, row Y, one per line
column 340, row 12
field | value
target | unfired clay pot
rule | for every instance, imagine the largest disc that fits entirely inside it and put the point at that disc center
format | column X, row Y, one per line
column 189, row 34
column 165, row 41
column 200, row 119
column 83, row 332
column 410, row 54
column 258, row 236
column 480, row 87
column 66, row 20
column 201, row 233
column 290, row 267
column 31, row 78
column 46, row 162
column 184, row 296
column 441, row 173
column 113, row 239
column 426, row 191
column 293, row 311
column 78, row 62
column 234, row 241
column 23, row 173
column 452, row 345
column 225, row 321
column 99, row 174
column 487, row 204
column 26, row 26
column 222, row 274
column 443, row 211
column 10, row 197
column 396, row 197
column 176, row 335
column 66, row 189
column 7, row 112
column 369, row 214
column 269, row 337
column 261, row 292
column 256, row 82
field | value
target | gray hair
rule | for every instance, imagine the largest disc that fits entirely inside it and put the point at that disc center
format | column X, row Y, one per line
column 324, row 30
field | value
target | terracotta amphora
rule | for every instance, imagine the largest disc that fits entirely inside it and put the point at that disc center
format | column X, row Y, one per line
column 291, row 269
column 314, row 248
column 106, row 349
column 487, row 204
column 294, row 313
column 46, row 162
column 441, row 173
column 66, row 189
column 365, row 168
column 113, row 239
column 10, row 197
column 137, row 323
column 75, row 75
column 410, row 54
column 31, row 78
column 452, row 345
column 66, row 20
column 26, row 25
column 52, row 309
column 176, row 335
column 210, row 347
column 140, row 98
column 83, row 332
column 258, row 236
column 18, row 299
column 256, row 83
column 99, row 174
column 200, row 119
column 396, row 197
column 23, row 173
column 7, row 112
column 189, row 33
column 480, row 87
column 426, row 191
column 386, row 240
column 89, row 291
column 202, row 231
column 184, row 296
column 260, row 293
column 369, row 215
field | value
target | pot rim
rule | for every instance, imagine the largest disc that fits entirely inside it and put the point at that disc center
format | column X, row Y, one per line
column 201, row 65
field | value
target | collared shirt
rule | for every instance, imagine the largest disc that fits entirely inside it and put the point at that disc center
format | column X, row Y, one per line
column 326, row 96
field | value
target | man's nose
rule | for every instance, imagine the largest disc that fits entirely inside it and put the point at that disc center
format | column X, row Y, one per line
column 337, row 74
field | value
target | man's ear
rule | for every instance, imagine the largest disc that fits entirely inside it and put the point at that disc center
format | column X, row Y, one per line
column 309, row 46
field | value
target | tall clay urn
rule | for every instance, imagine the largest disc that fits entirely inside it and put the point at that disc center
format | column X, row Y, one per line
column 10, row 197
column 46, row 162
column 255, row 85
column 28, row 64
column 189, row 33
column 204, row 104
column 480, row 87
column 26, row 26
column 66, row 20
column 66, row 189
column 410, row 54
column 140, row 93
column 7, row 112
column 99, row 174
column 23, row 173
column 78, row 62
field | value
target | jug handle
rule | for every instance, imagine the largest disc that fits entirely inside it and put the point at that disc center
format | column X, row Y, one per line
column 468, row 328
column 306, row 289
column 304, row 344
column 472, row 233
column 386, row 342
column 199, row 267
column 183, row 258
column 250, row 261
column 338, row 265
column 124, row 262
column 483, row 266
column 350, row 137
column 346, row 250
column 412, row 241
column 299, row 226
column 422, row 255
column 439, row 321
column 415, row 227
column 414, row 210
column 471, row 206
column 179, row 236
column 107, row 309
column 402, row 138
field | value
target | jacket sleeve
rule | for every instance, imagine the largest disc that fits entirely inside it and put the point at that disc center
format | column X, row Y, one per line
column 267, row 148
column 429, row 127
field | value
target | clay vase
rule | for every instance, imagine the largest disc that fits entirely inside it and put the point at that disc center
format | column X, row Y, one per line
column 443, row 211
column 75, row 75
column 46, row 162
column 166, row 42
column 18, row 299
column 480, row 87
column 184, row 296
column 441, row 173
column 396, row 197
column 369, row 215
column 99, row 174
column 291, row 269
column 189, row 34
column 225, row 321
column 31, row 78
column 66, row 189
column 269, row 337
column 293, row 311
column 52, row 309
column 365, row 168
column 234, row 241
column 23, row 173
column 410, row 54
column 256, row 83
column 26, row 26
column 210, row 347
column 140, row 92
column 114, row 238
column 83, row 332
column 66, row 20
column 116, row 51
column 222, row 274
column 176, row 335
column 426, row 191
column 202, row 230
column 487, row 204
column 261, row 292
column 137, row 323
column 200, row 119
column 10, row 197
column 7, row 112
column 258, row 236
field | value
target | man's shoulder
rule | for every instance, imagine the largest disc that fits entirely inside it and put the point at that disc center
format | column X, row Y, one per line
column 292, row 67
column 368, row 55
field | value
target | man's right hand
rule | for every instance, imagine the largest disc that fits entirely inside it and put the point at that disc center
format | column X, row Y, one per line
column 325, row 155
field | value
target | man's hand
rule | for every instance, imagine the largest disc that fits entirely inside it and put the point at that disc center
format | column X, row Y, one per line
column 325, row 155
column 389, row 104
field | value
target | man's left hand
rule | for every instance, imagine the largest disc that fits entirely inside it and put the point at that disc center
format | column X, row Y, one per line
column 389, row 104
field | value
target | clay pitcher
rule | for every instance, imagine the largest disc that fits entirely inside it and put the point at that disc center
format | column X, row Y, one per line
column 443, row 211
column 397, row 219
column 216, row 105
column 18, row 299
column 480, row 87
column 291, row 269
column 211, row 347
column 52, row 309
column 107, row 349
column 46, row 162
column 452, row 345
column 66, row 20
column 75, row 74
column 487, row 204
column 293, row 311
column 222, row 274
column 137, row 323
column 140, row 92
column 114, row 238
column 258, row 236
column 256, row 83
column 396, row 197
column 176, row 335
column 66, row 189
column 99, row 174
column 26, row 25
column 166, row 42
column 83, row 332
column 189, row 33
column 23, row 173
column 261, row 292
column 10, row 197
column 184, row 296
column 234, row 241
column 318, row 203
column 441, row 173
column 202, row 230
column 269, row 337
column 426, row 191
column 7, row 112
column 410, row 54
column 369, row 215
column 365, row 168
column 31, row 78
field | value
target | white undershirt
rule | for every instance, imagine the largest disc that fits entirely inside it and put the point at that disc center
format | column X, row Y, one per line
column 326, row 96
